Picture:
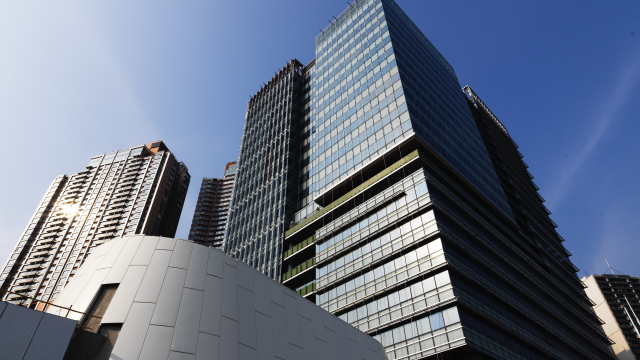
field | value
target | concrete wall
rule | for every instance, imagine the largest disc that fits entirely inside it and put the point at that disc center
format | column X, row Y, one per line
column 180, row 300
column 32, row 335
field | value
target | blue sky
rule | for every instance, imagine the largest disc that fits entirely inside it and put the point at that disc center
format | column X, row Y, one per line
column 79, row 79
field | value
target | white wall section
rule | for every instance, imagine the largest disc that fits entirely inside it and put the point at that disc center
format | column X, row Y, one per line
column 180, row 300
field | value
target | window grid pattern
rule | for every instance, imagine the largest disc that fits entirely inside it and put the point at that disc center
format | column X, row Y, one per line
column 120, row 193
column 212, row 209
column 438, row 108
column 358, row 109
column 265, row 194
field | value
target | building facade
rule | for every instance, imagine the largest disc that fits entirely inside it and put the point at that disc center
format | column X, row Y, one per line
column 413, row 201
column 162, row 298
column 212, row 209
column 266, row 191
column 617, row 304
column 140, row 190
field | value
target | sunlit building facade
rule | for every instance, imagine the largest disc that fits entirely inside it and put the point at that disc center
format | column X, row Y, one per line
column 140, row 190
column 616, row 300
column 266, row 190
column 212, row 209
column 415, row 218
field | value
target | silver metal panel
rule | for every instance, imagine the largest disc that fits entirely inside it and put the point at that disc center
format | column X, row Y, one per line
column 121, row 264
column 157, row 343
column 2, row 306
column 296, row 352
column 279, row 322
column 208, row 347
column 122, row 300
column 261, row 288
column 230, row 292
column 246, row 317
column 248, row 353
column 365, row 353
column 181, row 356
column 133, row 332
column 318, row 327
column 51, row 339
column 231, row 261
column 181, row 254
column 169, row 300
column 113, row 253
column 17, row 327
column 245, row 276
column 275, row 293
column 145, row 250
column 215, row 265
column 185, row 338
column 322, row 349
column 90, row 291
column 355, row 350
column 70, row 297
column 293, row 323
column 197, row 267
column 229, row 340
column 328, row 320
column 304, row 307
column 89, row 266
column 154, row 277
column 334, row 346
column 308, row 340
column 212, row 309
column 343, row 343
column 352, row 333
column 265, row 342
column 102, row 249
column 166, row 244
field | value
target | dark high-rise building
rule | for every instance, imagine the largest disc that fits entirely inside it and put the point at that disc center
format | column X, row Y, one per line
column 616, row 301
column 266, row 190
column 139, row 190
column 416, row 219
column 210, row 218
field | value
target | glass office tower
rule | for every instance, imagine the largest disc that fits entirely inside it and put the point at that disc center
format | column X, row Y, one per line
column 212, row 209
column 419, row 222
column 139, row 190
column 265, row 194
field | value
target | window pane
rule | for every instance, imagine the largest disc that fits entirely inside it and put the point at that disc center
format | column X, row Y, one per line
column 436, row 321
column 451, row 316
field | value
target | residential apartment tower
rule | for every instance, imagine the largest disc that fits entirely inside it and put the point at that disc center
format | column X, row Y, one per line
column 139, row 190
column 210, row 218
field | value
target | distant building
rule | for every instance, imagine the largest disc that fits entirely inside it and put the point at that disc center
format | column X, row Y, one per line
column 139, row 190
column 150, row 298
column 210, row 218
column 617, row 303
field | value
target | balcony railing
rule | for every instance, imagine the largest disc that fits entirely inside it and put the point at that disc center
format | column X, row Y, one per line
column 299, row 247
column 298, row 269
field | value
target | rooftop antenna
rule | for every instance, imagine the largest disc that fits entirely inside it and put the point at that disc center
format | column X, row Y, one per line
column 610, row 268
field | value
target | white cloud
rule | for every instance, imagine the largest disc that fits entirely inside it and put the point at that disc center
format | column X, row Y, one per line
column 606, row 116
